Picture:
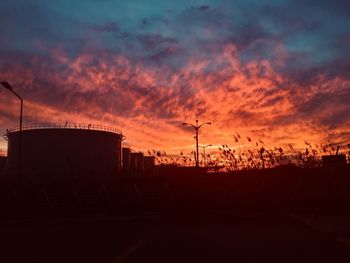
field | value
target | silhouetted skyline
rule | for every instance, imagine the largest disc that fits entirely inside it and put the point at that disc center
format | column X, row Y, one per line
column 110, row 161
column 271, row 70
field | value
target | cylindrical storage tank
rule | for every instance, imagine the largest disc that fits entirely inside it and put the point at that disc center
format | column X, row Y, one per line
column 126, row 158
column 136, row 163
column 64, row 151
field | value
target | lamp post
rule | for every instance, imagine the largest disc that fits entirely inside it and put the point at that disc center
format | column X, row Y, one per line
column 6, row 85
column 196, row 127
column 204, row 146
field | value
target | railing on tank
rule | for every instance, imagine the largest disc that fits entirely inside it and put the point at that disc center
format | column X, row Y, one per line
column 67, row 125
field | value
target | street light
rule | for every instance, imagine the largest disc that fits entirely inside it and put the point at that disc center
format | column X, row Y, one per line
column 204, row 146
column 6, row 85
column 196, row 127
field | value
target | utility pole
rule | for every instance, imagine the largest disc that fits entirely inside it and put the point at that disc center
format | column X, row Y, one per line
column 9, row 87
column 196, row 127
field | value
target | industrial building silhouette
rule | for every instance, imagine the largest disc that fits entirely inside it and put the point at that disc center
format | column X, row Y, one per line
column 44, row 152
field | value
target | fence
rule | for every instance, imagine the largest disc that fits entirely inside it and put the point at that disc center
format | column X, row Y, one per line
column 67, row 125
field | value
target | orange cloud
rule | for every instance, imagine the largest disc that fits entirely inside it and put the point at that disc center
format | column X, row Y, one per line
column 149, row 103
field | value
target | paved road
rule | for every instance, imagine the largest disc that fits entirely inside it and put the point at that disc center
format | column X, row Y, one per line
column 214, row 237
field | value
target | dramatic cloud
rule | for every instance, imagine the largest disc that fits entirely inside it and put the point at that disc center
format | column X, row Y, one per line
column 252, row 67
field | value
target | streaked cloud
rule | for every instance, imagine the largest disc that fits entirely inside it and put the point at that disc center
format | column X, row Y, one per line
column 252, row 67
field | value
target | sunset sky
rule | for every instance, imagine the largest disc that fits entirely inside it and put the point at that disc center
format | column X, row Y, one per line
column 278, row 71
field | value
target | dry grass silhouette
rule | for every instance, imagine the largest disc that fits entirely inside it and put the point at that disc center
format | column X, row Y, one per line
column 257, row 155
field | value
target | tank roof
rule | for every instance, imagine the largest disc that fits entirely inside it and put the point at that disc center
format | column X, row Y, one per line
column 67, row 125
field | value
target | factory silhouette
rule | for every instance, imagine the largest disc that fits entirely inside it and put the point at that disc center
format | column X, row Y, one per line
column 47, row 152
column 78, row 177
column 73, row 157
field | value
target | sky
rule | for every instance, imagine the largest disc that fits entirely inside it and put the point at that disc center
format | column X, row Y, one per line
column 278, row 71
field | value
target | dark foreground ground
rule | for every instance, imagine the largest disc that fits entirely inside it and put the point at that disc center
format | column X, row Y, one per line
column 276, row 215
column 213, row 236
